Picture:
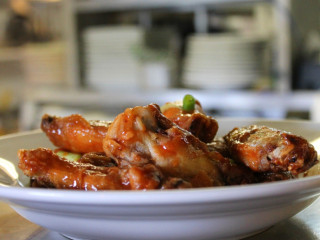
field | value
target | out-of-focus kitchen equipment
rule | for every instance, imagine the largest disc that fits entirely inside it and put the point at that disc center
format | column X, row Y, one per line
column 109, row 60
column 224, row 61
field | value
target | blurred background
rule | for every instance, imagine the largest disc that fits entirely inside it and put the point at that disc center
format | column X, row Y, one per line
column 240, row 58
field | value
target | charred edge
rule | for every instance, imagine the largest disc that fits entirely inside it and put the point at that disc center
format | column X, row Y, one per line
column 46, row 121
column 163, row 123
column 293, row 159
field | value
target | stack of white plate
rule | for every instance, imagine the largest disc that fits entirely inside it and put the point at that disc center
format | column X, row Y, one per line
column 44, row 64
column 223, row 61
column 109, row 60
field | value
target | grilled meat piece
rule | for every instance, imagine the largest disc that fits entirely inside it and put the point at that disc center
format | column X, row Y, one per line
column 197, row 122
column 143, row 135
column 74, row 133
column 48, row 169
column 265, row 149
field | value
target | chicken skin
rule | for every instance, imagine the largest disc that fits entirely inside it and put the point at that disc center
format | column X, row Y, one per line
column 74, row 133
column 236, row 173
column 50, row 170
column 265, row 149
column 197, row 122
column 143, row 135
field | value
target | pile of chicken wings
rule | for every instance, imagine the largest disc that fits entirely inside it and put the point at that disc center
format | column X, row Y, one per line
column 148, row 147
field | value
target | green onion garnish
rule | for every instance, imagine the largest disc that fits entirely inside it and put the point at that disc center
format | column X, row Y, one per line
column 188, row 103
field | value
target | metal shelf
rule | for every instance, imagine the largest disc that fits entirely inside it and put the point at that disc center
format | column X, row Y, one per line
column 210, row 99
column 240, row 100
column 86, row 6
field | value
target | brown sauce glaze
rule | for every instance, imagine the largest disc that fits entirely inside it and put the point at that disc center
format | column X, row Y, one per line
column 74, row 133
column 200, row 125
column 265, row 149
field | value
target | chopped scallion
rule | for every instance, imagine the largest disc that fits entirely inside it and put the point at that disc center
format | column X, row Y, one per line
column 189, row 103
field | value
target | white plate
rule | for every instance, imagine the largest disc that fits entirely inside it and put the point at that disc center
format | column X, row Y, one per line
column 210, row 213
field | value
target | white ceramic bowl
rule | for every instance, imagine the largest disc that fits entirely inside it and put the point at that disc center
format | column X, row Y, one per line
column 208, row 213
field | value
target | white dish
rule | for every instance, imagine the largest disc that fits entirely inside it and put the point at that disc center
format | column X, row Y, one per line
column 211, row 213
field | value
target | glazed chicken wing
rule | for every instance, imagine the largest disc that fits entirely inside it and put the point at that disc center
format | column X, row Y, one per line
column 197, row 122
column 50, row 170
column 265, row 149
column 143, row 135
column 236, row 173
column 74, row 133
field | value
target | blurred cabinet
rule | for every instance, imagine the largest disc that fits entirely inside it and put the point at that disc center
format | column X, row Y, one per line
column 201, row 9
column 271, row 104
